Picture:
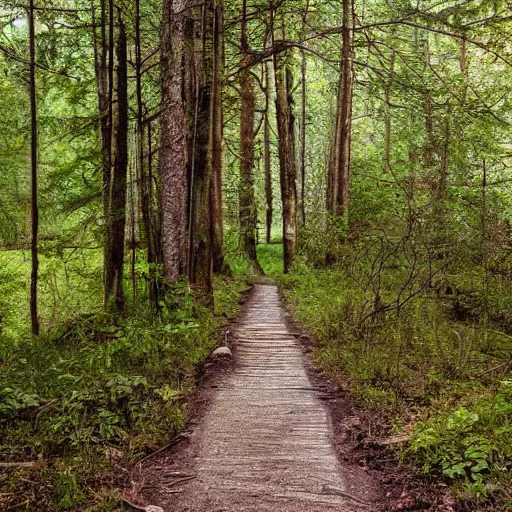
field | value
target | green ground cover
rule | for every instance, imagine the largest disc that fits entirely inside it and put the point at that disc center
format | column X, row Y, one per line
column 95, row 392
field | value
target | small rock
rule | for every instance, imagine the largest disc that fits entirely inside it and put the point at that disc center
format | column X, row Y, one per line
column 222, row 352
column 153, row 508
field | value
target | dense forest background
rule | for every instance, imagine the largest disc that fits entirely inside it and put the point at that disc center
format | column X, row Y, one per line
column 155, row 157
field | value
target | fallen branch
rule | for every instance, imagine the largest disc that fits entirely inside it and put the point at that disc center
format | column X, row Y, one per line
column 395, row 440
column 181, row 480
column 328, row 489
column 494, row 368
column 17, row 464
column 172, row 443
column 171, row 491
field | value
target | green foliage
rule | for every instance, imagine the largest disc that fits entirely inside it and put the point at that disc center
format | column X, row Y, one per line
column 427, row 357
column 11, row 298
column 470, row 445
column 13, row 401
column 227, row 294
column 270, row 257
column 70, row 284
column 13, row 151
column 321, row 239
column 66, row 493
column 409, row 295
column 98, row 386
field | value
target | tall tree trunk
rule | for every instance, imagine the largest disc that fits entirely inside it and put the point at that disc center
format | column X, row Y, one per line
column 286, row 149
column 145, row 182
column 108, row 271
column 134, row 214
column 339, row 173
column 201, row 219
column 34, row 212
column 173, row 139
column 303, row 119
column 303, row 131
column 154, row 196
column 247, row 204
column 219, row 265
column 104, row 67
column 267, row 158
column 116, row 217
column 287, row 161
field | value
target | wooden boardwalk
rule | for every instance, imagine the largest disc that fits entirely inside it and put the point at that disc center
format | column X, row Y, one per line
column 265, row 443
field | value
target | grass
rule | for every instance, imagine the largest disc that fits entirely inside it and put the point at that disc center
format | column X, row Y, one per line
column 270, row 257
column 95, row 391
column 69, row 285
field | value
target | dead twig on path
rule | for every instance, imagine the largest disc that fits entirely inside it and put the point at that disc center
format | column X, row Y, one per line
column 338, row 492
column 172, row 443
column 171, row 491
column 181, row 480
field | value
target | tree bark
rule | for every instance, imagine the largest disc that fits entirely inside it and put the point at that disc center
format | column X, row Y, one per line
column 201, row 214
column 104, row 67
column 108, row 271
column 173, row 140
column 247, row 205
column 134, row 235
column 145, row 181
column 287, row 157
column 267, row 158
column 219, row 264
column 154, row 196
column 339, row 172
column 34, row 212
column 303, row 131
column 116, row 215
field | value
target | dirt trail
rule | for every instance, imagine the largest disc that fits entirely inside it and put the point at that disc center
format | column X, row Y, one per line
column 265, row 441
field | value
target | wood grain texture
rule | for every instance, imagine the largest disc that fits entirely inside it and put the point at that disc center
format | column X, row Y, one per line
column 265, row 444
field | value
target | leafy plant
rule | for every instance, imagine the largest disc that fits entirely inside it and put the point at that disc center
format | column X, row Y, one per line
column 66, row 493
column 467, row 444
column 13, row 401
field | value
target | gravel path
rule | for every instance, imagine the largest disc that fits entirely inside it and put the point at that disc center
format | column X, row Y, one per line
column 265, row 442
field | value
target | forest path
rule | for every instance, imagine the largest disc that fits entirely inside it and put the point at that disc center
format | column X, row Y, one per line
column 265, row 440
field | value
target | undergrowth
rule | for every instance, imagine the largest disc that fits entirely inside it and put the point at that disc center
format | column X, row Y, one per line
column 96, row 392
column 430, row 353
